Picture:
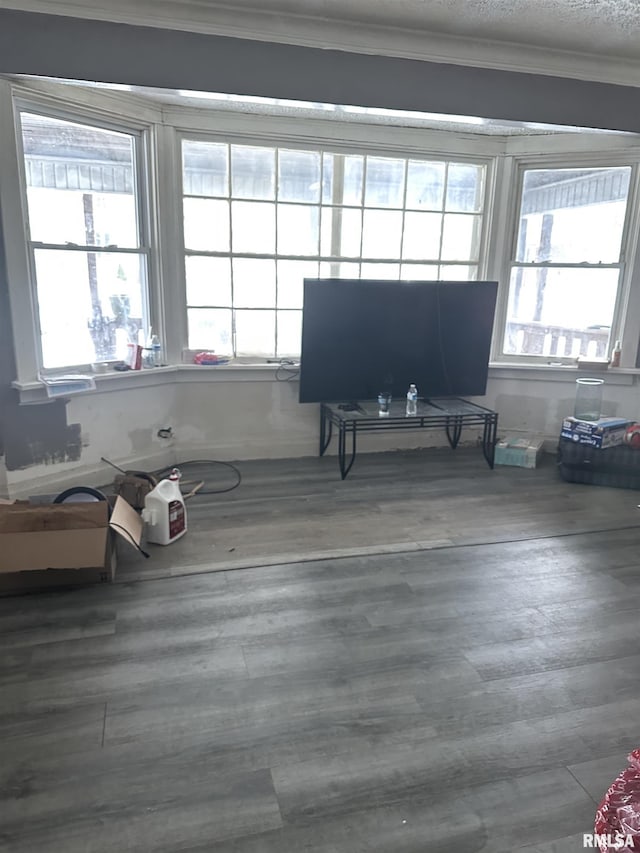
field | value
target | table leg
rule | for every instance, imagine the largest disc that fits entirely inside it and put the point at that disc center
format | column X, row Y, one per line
column 489, row 438
column 453, row 435
column 325, row 434
column 342, row 449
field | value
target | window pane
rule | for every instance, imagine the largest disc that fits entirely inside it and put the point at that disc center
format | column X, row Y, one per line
column 254, row 227
column 253, row 172
column 422, row 236
column 573, row 215
column 81, row 185
column 341, row 232
column 312, row 205
column 254, row 283
column 291, row 275
column 206, row 225
column 208, row 281
column 256, row 333
column 329, row 269
column 465, row 187
column 457, row 272
column 91, row 304
column 385, row 182
column 563, row 312
column 210, row 329
column 205, row 168
column 348, row 190
column 381, row 234
column 419, row 272
column 460, row 237
column 425, row 185
column 297, row 229
column 299, row 176
column 385, row 271
column 289, row 333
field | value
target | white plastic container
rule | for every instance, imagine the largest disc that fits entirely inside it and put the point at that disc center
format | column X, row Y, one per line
column 164, row 511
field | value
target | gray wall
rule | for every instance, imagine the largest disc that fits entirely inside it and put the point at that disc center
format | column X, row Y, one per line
column 55, row 46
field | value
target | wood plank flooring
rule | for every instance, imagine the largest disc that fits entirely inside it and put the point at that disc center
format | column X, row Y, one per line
column 299, row 509
column 475, row 697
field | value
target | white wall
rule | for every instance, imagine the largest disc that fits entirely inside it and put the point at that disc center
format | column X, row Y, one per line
column 539, row 405
column 244, row 419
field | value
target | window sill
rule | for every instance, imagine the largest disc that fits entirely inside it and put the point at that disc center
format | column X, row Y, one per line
column 114, row 380
column 560, row 373
column 35, row 392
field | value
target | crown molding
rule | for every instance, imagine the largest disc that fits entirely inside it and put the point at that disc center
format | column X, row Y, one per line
column 200, row 16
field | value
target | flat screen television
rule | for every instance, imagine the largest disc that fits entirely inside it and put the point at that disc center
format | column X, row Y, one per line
column 364, row 337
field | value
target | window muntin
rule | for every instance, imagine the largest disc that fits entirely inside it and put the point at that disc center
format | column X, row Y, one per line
column 271, row 216
column 89, row 258
column 567, row 266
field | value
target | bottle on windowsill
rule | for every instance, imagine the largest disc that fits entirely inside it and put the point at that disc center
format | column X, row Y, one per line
column 615, row 354
column 412, row 401
column 156, row 352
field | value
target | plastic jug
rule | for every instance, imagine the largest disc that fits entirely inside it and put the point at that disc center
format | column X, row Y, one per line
column 164, row 511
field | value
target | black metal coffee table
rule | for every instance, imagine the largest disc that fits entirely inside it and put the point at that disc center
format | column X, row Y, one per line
column 451, row 414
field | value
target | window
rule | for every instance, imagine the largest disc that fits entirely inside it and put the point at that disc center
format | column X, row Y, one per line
column 85, row 237
column 258, row 220
column 568, row 262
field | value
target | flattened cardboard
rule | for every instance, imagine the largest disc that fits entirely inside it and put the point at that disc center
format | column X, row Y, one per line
column 126, row 522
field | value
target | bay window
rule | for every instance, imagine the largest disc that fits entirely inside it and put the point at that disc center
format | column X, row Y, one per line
column 244, row 211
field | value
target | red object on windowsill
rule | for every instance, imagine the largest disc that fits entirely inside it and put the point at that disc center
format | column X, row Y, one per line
column 209, row 358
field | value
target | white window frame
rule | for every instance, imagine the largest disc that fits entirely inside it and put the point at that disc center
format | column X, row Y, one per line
column 622, row 326
column 19, row 248
column 369, row 142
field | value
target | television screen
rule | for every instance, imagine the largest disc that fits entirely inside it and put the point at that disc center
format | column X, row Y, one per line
column 362, row 337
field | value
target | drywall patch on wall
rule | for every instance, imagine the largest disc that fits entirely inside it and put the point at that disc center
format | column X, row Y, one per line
column 39, row 434
column 141, row 440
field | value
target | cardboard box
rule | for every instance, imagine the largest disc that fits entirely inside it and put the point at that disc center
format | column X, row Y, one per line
column 606, row 432
column 519, row 451
column 65, row 540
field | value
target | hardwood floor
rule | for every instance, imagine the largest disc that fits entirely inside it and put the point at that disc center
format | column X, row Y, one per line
column 479, row 694
column 299, row 509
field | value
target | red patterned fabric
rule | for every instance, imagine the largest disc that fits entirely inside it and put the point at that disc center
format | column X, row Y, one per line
column 618, row 815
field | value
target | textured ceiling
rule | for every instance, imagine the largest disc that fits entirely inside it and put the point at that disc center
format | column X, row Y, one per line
column 604, row 27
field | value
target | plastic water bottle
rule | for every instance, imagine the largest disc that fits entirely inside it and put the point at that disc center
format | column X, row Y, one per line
column 156, row 351
column 412, row 400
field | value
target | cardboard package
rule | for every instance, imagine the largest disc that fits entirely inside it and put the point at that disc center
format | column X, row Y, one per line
column 51, row 544
column 521, row 451
column 607, row 432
